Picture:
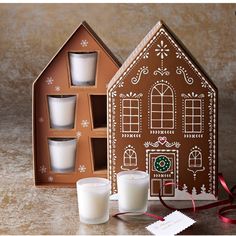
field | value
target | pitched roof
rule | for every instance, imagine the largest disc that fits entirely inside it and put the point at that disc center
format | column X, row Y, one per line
column 127, row 65
column 96, row 38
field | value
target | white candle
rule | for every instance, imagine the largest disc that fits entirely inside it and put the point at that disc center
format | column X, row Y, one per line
column 132, row 191
column 62, row 154
column 93, row 200
column 83, row 67
column 62, row 111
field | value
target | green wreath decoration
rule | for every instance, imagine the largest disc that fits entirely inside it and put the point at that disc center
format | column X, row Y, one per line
column 162, row 163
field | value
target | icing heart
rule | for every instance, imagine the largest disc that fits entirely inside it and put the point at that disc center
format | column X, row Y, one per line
column 162, row 140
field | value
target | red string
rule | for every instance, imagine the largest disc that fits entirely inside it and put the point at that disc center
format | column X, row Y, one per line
column 145, row 213
column 154, row 216
column 221, row 213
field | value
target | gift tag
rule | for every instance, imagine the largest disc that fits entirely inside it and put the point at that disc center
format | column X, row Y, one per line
column 174, row 223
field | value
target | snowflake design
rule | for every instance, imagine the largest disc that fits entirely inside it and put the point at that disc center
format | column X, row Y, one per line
column 85, row 123
column 42, row 169
column 121, row 84
column 78, row 134
column 57, row 88
column 50, row 179
column 210, row 94
column 162, row 50
column 82, row 168
column 49, row 80
column 113, row 94
column 84, row 43
column 146, row 55
column 204, row 84
column 41, row 120
column 178, row 55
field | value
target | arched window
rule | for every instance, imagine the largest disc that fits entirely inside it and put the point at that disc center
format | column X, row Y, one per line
column 195, row 159
column 130, row 157
column 162, row 107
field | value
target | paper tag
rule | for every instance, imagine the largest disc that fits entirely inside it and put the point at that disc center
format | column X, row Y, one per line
column 174, row 223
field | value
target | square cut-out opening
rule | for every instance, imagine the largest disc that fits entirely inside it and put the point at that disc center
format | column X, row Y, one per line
column 99, row 110
column 99, row 152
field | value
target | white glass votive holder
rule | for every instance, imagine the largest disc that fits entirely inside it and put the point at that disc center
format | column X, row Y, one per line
column 83, row 68
column 62, row 154
column 133, row 191
column 62, row 111
column 93, row 200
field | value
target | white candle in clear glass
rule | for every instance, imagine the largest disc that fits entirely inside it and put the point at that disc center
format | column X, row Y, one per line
column 62, row 111
column 62, row 154
column 93, row 200
column 83, row 68
column 133, row 191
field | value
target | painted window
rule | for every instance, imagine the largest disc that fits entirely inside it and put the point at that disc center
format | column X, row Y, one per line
column 162, row 107
column 193, row 115
column 130, row 158
column 195, row 159
column 130, row 115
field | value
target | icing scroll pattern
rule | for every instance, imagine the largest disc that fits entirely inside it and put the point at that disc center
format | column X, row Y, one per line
column 142, row 71
column 180, row 70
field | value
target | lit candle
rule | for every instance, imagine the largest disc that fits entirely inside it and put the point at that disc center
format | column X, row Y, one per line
column 83, row 67
column 93, row 200
column 62, row 154
column 132, row 191
column 62, row 111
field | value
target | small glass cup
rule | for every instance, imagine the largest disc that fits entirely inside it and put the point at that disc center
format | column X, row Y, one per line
column 93, row 200
column 62, row 111
column 83, row 68
column 133, row 191
column 62, row 154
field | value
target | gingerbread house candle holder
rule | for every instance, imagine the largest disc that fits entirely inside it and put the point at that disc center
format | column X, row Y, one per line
column 69, row 111
column 162, row 111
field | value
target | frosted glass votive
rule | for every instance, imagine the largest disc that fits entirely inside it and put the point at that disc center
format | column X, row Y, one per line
column 93, row 200
column 83, row 68
column 62, row 111
column 133, row 191
column 62, row 154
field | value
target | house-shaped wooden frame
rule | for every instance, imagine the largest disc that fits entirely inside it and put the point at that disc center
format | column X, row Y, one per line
column 162, row 111
column 89, row 129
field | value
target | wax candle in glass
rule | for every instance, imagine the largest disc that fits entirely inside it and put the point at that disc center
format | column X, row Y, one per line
column 62, row 154
column 93, row 200
column 83, row 68
column 62, row 111
column 133, row 191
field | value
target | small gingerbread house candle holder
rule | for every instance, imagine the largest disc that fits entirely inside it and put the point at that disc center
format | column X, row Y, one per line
column 163, row 119
column 69, row 111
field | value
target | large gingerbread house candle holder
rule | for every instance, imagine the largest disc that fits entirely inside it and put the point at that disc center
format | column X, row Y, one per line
column 69, row 111
column 162, row 111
